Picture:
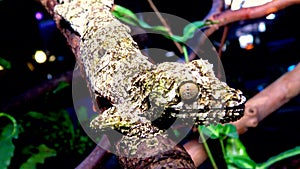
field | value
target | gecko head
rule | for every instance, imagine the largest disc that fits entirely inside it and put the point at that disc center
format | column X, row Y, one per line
column 193, row 91
column 210, row 103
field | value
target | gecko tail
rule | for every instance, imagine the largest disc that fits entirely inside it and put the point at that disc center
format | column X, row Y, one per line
column 76, row 12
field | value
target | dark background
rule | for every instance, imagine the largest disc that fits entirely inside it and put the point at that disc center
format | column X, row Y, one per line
column 249, row 70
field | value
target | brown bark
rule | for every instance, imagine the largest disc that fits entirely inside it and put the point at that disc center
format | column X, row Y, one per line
column 228, row 16
column 267, row 101
column 94, row 159
column 36, row 92
column 179, row 155
column 257, row 108
column 72, row 38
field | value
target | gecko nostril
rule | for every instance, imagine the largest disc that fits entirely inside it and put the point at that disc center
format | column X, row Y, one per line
column 188, row 91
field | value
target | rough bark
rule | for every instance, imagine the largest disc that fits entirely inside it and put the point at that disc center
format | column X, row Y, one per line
column 228, row 16
column 98, row 154
column 177, row 156
column 96, row 157
column 270, row 99
column 257, row 108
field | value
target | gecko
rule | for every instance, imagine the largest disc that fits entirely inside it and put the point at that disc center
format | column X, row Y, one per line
column 143, row 95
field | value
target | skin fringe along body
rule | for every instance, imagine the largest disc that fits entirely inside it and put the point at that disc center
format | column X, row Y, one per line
column 143, row 94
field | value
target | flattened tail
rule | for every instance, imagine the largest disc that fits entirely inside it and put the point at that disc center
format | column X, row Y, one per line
column 76, row 12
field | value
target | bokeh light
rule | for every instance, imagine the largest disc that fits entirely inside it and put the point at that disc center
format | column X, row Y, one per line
column 52, row 58
column 271, row 16
column 246, row 41
column 40, row 56
column 39, row 16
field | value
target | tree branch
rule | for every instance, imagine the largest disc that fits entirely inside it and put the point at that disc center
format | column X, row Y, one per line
column 72, row 38
column 230, row 16
column 97, row 155
column 36, row 92
column 267, row 101
column 257, row 108
column 226, row 17
column 178, row 154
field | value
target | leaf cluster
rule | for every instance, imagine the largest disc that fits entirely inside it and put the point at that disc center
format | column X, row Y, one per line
column 234, row 152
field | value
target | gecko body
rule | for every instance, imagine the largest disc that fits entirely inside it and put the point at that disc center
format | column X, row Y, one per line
column 143, row 95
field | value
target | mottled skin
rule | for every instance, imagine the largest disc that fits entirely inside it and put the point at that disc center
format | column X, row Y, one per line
column 141, row 92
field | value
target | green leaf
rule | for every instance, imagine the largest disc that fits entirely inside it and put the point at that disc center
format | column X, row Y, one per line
column 6, row 145
column 124, row 13
column 61, row 86
column 228, row 130
column 6, row 64
column 219, row 131
column 61, row 124
column 234, row 147
column 43, row 117
column 129, row 17
column 209, row 131
column 43, row 153
column 68, row 126
column 236, row 155
column 36, row 115
column 82, row 114
column 189, row 30
column 240, row 162
column 176, row 133
column 279, row 157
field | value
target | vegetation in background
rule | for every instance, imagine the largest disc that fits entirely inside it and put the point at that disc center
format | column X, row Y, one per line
column 234, row 152
column 40, row 139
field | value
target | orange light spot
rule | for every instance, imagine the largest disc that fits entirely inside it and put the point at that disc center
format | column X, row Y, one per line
column 271, row 10
column 249, row 46
column 30, row 66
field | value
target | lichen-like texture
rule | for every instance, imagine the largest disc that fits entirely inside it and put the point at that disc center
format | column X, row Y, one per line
column 144, row 96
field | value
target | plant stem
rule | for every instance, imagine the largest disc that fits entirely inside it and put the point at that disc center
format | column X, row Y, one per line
column 14, row 122
column 164, row 22
column 185, row 53
column 279, row 157
column 207, row 150
column 222, row 147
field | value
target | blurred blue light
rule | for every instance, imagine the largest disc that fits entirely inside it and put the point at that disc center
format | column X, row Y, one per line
column 290, row 68
column 47, row 24
column 60, row 58
column 260, row 88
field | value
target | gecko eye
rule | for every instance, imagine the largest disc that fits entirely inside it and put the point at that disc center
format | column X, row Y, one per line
column 188, row 91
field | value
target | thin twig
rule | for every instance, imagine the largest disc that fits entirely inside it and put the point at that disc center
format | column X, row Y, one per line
column 229, row 16
column 164, row 22
column 223, row 39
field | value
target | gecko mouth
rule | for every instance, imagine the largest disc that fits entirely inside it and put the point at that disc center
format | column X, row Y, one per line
column 233, row 113
column 210, row 115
